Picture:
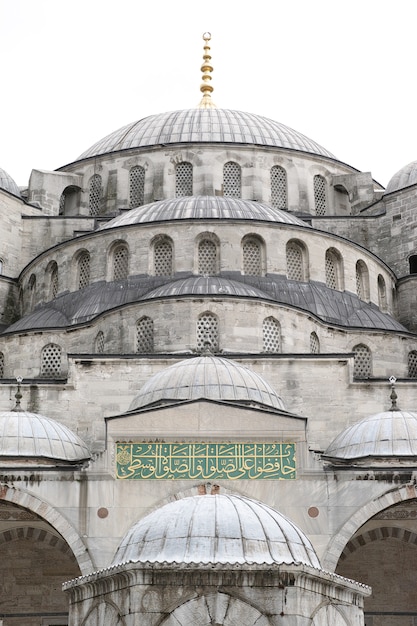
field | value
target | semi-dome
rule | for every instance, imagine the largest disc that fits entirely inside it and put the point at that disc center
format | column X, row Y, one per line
column 383, row 436
column 216, row 529
column 204, row 286
column 204, row 126
column 27, row 437
column 7, row 183
column 204, row 207
column 207, row 377
column 405, row 177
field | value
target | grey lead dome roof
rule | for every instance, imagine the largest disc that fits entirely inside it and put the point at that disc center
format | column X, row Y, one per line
column 380, row 436
column 204, row 126
column 7, row 183
column 216, row 529
column 31, row 436
column 405, row 177
column 210, row 378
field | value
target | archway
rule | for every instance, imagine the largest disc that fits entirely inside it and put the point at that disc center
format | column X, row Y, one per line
column 217, row 609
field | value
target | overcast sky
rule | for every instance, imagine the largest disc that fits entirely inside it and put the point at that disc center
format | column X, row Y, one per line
column 341, row 72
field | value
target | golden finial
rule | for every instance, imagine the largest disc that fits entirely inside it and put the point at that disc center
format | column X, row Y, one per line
column 206, row 101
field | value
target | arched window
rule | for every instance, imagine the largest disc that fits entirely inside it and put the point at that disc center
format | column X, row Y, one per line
column 362, row 280
column 314, row 344
column 99, row 343
column 162, row 257
column 95, row 195
column 83, row 270
column 51, row 361
column 136, row 186
column 382, row 293
column 362, row 363
column 279, row 187
column 208, row 332
column 120, row 262
column 333, row 269
column 1, row 365
column 412, row 364
column 252, row 256
column 69, row 200
column 271, row 335
column 183, row 179
column 207, row 257
column 413, row 264
column 232, row 180
column 295, row 261
column 320, row 195
column 53, row 280
column 144, row 335
column 31, row 291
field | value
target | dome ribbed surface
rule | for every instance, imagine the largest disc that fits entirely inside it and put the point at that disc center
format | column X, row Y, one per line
column 7, row 183
column 216, row 529
column 204, row 126
column 209, row 378
column 387, row 434
column 204, row 207
column 405, row 177
column 32, row 436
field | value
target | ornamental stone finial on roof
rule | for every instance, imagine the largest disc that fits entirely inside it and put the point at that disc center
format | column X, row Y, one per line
column 393, row 395
column 18, row 395
column 206, row 89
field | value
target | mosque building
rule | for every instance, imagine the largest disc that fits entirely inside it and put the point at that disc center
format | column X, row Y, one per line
column 208, row 382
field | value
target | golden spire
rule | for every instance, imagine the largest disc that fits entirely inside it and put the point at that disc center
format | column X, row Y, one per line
column 206, row 101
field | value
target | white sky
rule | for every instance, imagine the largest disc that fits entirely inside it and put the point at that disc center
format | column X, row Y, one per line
column 342, row 72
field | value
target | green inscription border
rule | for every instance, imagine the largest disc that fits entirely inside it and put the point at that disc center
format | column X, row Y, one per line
column 205, row 461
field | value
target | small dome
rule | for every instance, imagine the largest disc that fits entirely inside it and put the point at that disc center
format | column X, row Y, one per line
column 391, row 434
column 29, row 436
column 206, row 285
column 7, row 183
column 405, row 177
column 204, row 207
column 210, row 378
column 216, row 529
column 204, row 126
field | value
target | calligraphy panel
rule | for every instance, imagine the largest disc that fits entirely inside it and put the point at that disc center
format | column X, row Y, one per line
column 205, row 461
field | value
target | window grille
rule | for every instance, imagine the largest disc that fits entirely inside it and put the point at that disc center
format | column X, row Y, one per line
column 359, row 282
column 362, row 363
column 120, row 263
column 252, row 257
column 95, row 194
column 183, row 179
column 314, row 344
column 382, row 293
column 144, row 335
column 207, row 257
column 31, row 290
column 208, row 332
column 62, row 203
column 331, row 270
column 412, row 364
column 294, row 262
column 320, row 200
column 54, row 281
column 99, row 343
column 163, row 258
column 51, row 361
column 279, row 187
column 84, row 270
column 1, row 365
column 136, row 186
column 232, row 180
column 271, row 333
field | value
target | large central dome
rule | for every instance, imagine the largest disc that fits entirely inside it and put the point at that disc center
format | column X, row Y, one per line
column 205, row 126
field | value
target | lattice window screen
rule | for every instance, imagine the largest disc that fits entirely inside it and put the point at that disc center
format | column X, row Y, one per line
column 183, row 179
column 120, row 263
column 279, row 187
column 252, row 257
column 331, row 271
column 1, row 365
column 208, row 332
column 163, row 258
column 99, row 343
column 232, row 180
column 207, row 257
column 54, row 282
column 412, row 364
column 84, row 270
column 294, row 262
column 51, row 361
column 136, row 186
column 320, row 199
column 314, row 344
column 271, row 334
column 144, row 335
column 62, row 203
column 95, row 195
column 362, row 364
column 359, row 282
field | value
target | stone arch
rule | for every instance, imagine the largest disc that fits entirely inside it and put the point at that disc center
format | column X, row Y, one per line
column 207, row 254
column 54, row 519
column 338, row 542
column 104, row 613
column 297, row 260
column 329, row 614
column 376, row 534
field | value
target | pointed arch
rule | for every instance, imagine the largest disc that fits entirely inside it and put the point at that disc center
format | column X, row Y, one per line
column 333, row 269
column 362, row 280
column 253, row 255
column 163, row 256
